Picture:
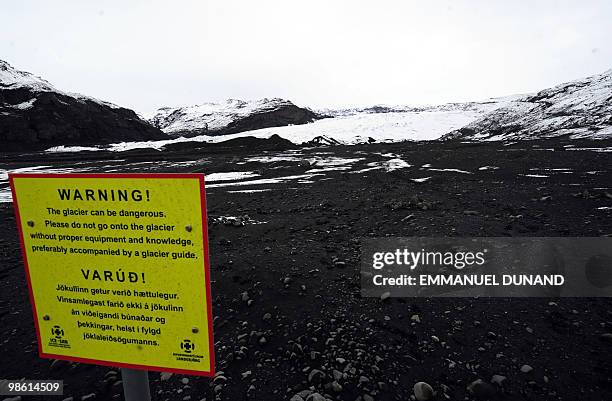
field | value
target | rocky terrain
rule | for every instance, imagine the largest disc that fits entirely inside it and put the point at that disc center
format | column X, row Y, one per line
column 286, row 224
column 577, row 109
column 36, row 115
column 230, row 117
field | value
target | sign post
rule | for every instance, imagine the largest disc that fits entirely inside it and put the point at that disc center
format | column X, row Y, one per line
column 135, row 385
column 118, row 271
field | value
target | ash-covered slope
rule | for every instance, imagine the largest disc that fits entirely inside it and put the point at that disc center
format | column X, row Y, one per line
column 229, row 117
column 577, row 109
column 35, row 115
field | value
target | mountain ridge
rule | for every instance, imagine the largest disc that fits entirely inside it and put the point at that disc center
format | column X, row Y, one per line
column 580, row 108
column 230, row 116
column 34, row 115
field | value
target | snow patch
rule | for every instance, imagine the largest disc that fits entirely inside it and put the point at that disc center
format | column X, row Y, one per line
column 67, row 149
column 608, row 149
column 5, row 195
column 230, row 176
column 453, row 170
column 363, row 170
column 248, row 191
column 320, row 170
column 25, row 105
column 395, row 164
column 264, row 181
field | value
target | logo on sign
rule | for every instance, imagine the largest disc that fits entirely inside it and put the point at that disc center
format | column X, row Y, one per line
column 187, row 346
column 187, row 353
column 57, row 338
column 58, row 332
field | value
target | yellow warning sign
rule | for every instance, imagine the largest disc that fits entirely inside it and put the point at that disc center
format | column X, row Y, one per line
column 118, row 269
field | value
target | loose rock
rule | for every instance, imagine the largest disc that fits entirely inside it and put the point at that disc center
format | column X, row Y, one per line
column 481, row 389
column 316, row 376
column 498, row 379
column 423, row 391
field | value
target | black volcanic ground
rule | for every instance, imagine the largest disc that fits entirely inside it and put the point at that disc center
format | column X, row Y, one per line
column 308, row 333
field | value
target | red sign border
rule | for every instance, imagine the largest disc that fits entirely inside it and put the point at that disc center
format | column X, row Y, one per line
column 200, row 178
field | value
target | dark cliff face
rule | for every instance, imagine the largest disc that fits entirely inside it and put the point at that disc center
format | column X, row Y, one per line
column 33, row 115
column 286, row 114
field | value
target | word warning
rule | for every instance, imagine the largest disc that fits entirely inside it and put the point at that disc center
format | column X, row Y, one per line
column 118, row 268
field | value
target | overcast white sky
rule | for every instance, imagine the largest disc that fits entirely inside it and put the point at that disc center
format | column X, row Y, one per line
column 330, row 53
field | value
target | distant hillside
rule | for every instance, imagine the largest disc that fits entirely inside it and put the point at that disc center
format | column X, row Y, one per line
column 36, row 115
column 577, row 109
column 229, row 117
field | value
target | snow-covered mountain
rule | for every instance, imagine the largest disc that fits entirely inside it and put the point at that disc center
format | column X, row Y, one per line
column 580, row 109
column 230, row 116
column 35, row 114
column 351, row 126
column 385, row 123
column 577, row 109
